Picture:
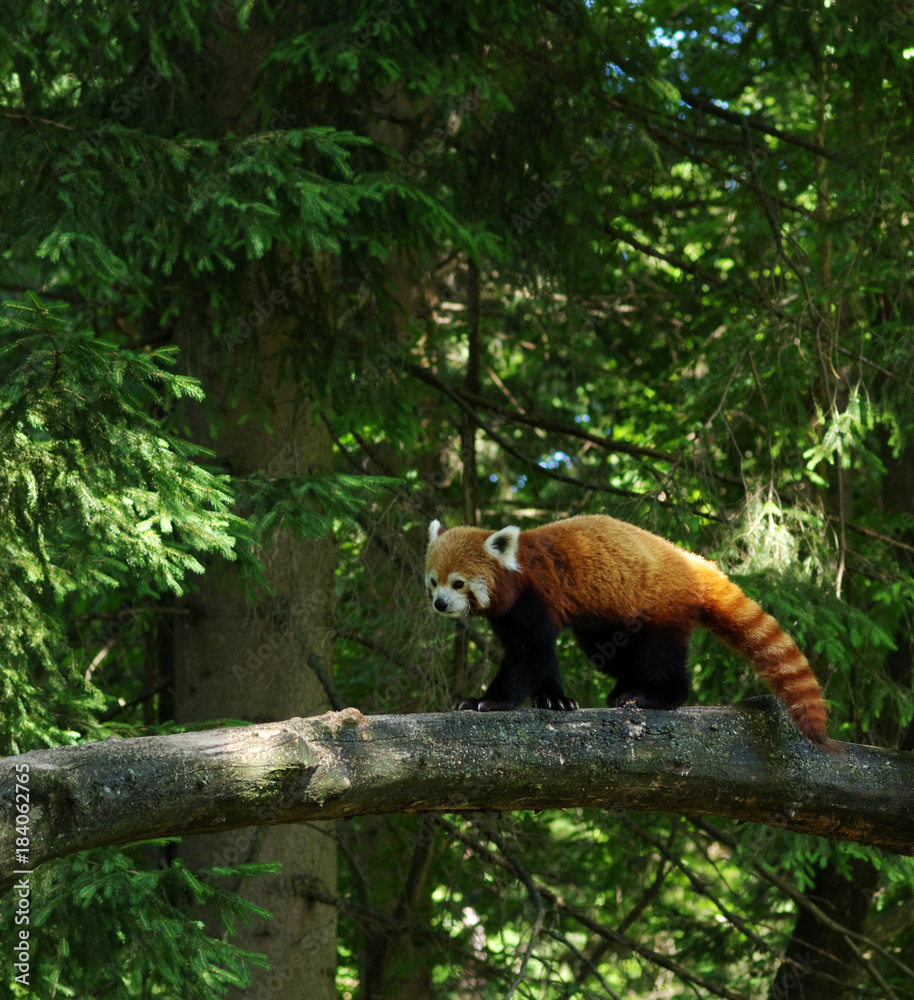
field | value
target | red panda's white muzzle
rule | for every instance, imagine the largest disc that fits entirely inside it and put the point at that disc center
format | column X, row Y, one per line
column 457, row 597
column 448, row 602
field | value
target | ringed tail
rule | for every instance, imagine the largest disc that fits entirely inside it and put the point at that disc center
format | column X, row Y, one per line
column 744, row 626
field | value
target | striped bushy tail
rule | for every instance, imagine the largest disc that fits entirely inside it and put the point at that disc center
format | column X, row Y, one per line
column 742, row 624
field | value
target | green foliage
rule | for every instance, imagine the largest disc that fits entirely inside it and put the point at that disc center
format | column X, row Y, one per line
column 106, row 926
column 94, row 458
column 691, row 229
column 307, row 505
column 694, row 308
column 100, row 495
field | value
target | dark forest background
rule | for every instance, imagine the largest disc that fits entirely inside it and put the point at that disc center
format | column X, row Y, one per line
column 283, row 282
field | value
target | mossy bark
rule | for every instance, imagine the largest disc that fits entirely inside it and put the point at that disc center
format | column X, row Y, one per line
column 745, row 761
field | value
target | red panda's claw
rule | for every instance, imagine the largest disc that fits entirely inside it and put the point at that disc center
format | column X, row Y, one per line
column 490, row 705
column 484, row 705
column 557, row 704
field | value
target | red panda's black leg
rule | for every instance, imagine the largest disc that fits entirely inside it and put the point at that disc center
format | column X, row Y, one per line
column 649, row 663
column 526, row 671
column 529, row 668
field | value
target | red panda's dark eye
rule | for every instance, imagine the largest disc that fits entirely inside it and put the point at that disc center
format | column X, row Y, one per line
column 458, row 584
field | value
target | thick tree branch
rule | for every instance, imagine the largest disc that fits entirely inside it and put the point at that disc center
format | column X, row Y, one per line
column 744, row 761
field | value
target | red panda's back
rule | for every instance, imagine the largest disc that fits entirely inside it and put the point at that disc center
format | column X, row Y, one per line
column 594, row 565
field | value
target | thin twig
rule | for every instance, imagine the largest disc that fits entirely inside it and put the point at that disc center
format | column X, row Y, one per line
column 44, row 121
column 620, row 940
column 735, row 118
column 424, row 375
column 800, row 899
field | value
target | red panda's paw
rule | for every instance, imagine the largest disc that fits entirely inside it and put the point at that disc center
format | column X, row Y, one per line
column 484, row 705
column 556, row 703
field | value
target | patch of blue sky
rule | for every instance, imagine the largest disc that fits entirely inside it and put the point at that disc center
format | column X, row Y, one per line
column 556, row 460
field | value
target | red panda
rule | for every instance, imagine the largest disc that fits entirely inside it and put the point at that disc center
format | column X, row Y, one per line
column 631, row 599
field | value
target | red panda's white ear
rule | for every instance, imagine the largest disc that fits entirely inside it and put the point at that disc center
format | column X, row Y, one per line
column 434, row 530
column 503, row 546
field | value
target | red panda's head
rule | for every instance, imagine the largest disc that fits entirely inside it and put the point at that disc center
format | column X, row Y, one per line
column 463, row 565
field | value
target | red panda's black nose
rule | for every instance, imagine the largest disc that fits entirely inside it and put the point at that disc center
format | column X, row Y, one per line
column 440, row 604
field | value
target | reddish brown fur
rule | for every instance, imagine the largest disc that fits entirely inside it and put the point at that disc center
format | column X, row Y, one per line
column 596, row 566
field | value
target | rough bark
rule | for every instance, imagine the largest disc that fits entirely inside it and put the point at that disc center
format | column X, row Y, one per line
column 744, row 761
column 822, row 956
column 243, row 659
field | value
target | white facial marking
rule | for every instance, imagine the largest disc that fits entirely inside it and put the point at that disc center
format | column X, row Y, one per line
column 452, row 598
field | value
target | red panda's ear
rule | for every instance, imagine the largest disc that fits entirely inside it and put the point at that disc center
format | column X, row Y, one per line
column 503, row 546
column 435, row 529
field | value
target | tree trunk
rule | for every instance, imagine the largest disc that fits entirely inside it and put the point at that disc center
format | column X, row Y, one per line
column 821, row 957
column 823, row 950
column 236, row 659
column 241, row 660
